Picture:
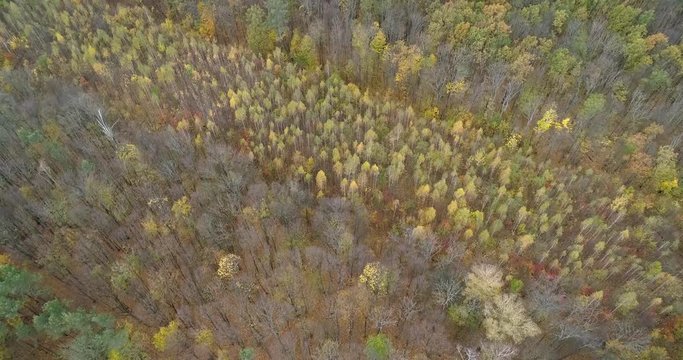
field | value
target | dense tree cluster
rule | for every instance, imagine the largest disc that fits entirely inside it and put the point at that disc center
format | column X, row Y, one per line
column 329, row 180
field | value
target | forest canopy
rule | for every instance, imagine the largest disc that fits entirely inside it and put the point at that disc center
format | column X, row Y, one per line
column 304, row 179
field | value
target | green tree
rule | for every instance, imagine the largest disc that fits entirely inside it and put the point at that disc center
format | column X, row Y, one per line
column 302, row 50
column 562, row 64
column 593, row 105
column 247, row 354
column 378, row 347
column 658, row 80
column 627, row 302
column 465, row 315
column 665, row 177
column 260, row 37
column 378, row 44
column 516, row 285
column 278, row 16
column 17, row 287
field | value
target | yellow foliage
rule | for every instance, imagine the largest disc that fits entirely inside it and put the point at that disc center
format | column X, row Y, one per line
column 168, row 25
column 460, row 32
column 26, row 191
column 353, row 186
column 423, row 191
column 114, row 355
column 513, row 140
column 452, row 207
column 99, row 68
column 320, row 180
column 165, row 335
column 59, row 38
column 207, row 22
column 427, row 215
column 457, row 87
column 378, row 43
column 496, row 11
column 128, row 152
column 559, row 20
column 669, row 185
column 420, row 232
column 429, row 61
column 141, row 81
column 566, row 124
column 432, row 113
column 182, row 207
column 150, row 226
column 457, row 128
column 408, row 60
column 198, row 141
column 233, row 53
column 228, row 266
column 90, row 55
column 547, row 121
column 550, row 120
column 7, row 63
column 211, row 126
column 655, row 39
column 375, row 277
column 459, row 194
column 309, row 165
column 525, row 241
column 17, row 42
column 205, row 337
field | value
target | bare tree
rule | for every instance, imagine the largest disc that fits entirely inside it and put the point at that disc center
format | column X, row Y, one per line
column 467, row 353
column 446, row 292
column 329, row 350
column 498, row 351
column 633, row 337
column 383, row 317
column 107, row 130
column 581, row 322
column 408, row 308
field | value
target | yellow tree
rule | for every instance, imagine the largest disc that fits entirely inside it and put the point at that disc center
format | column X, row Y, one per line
column 321, row 180
column 228, row 265
column 166, row 336
column 207, row 21
column 376, row 277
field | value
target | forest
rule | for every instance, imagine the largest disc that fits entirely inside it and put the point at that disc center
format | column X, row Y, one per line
column 341, row 179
